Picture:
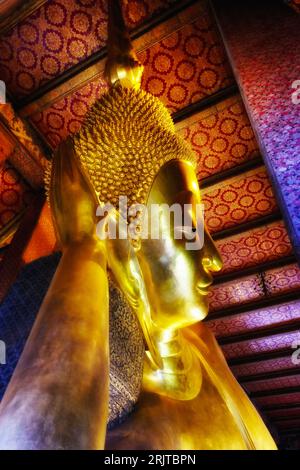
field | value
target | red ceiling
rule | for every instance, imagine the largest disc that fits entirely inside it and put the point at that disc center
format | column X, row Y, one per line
column 254, row 287
column 185, row 62
column 255, row 319
column 262, row 345
column 255, row 246
column 221, row 136
column 240, row 199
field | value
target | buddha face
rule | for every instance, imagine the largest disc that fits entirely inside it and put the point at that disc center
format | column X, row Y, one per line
column 177, row 279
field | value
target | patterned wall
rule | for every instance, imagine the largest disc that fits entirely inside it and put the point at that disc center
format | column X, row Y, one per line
column 254, row 287
column 283, row 279
column 61, row 34
column 66, row 115
column 255, row 319
column 278, row 382
column 287, row 412
column 21, row 147
column 221, row 136
column 289, row 398
column 186, row 66
column 264, row 366
column 15, row 194
column 272, row 101
column 254, row 246
column 261, row 345
column 238, row 291
column 238, row 199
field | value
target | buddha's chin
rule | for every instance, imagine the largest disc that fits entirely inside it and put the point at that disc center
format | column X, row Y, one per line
column 196, row 312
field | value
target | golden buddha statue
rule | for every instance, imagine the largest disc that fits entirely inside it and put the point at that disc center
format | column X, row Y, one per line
column 127, row 146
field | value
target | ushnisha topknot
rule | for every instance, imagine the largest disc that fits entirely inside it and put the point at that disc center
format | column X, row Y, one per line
column 127, row 136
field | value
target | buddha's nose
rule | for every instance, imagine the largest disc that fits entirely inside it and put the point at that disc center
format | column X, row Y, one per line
column 212, row 260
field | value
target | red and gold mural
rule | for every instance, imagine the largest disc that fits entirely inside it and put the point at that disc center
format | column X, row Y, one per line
column 255, row 246
column 221, row 136
column 257, row 286
column 59, row 35
column 263, row 366
column 255, row 319
column 185, row 63
column 239, row 199
column 261, row 345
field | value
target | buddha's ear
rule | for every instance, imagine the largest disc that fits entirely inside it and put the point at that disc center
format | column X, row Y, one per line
column 124, row 264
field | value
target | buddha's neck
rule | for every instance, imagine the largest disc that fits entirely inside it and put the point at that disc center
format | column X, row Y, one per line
column 180, row 375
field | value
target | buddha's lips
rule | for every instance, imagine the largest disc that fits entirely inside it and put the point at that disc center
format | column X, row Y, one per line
column 203, row 291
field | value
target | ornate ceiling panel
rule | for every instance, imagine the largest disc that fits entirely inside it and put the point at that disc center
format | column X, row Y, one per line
column 261, row 345
column 166, row 76
column 255, row 319
column 184, row 62
column 254, row 287
column 238, row 199
column 15, row 194
column 186, row 66
column 59, row 35
column 264, row 366
column 27, row 167
column 289, row 425
column 66, row 115
column 255, row 246
column 27, row 156
column 283, row 399
column 221, row 136
column 238, row 291
column 278, row 382
column 13, row 12
column 286, row 413
column 283, row 279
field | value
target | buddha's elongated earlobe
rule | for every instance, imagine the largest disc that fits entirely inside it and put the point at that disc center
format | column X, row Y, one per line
column 123, row 263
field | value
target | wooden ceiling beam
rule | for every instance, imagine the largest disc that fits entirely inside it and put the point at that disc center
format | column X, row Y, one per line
column 274, row 374
column 279, row 407
column 18, row 13
column 93, row 66
column 234, row 171
column 258, row 357
column 280, row 419
column 272, row 392
column 204, row 103
column 281, row 328
column 267, row 301
column 250, row 225
column 292, row 431
column 256, row 269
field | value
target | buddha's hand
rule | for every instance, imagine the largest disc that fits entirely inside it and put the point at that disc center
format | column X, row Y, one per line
column 72, row 200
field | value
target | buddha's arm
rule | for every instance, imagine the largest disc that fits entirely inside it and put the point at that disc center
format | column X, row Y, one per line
column 58, row 395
